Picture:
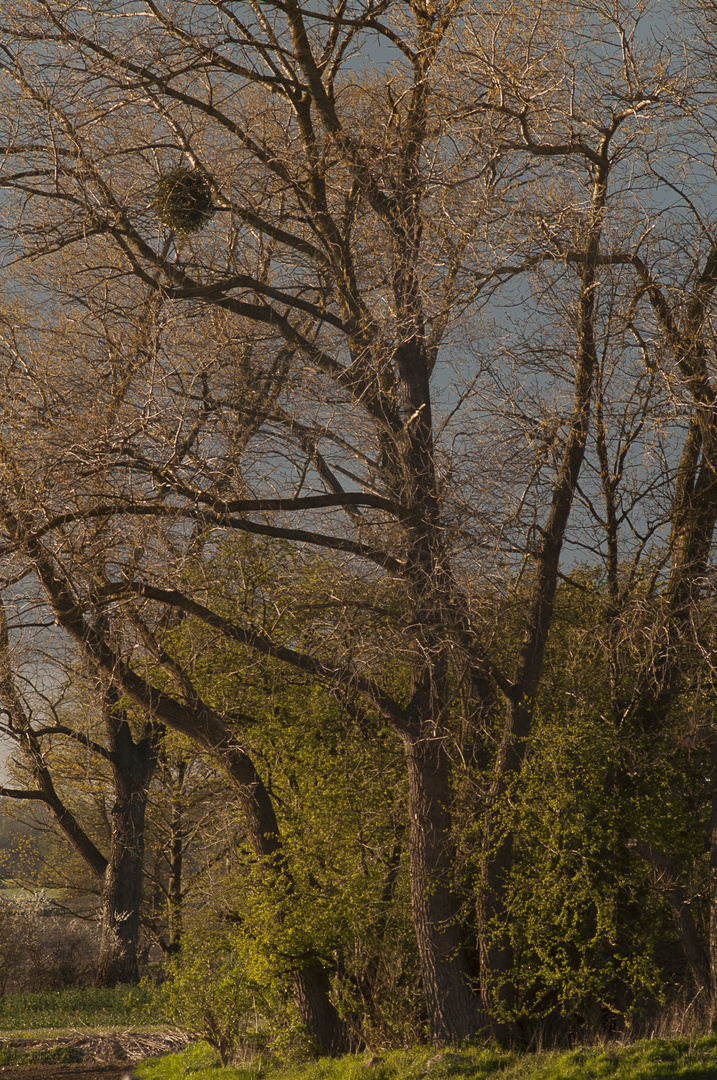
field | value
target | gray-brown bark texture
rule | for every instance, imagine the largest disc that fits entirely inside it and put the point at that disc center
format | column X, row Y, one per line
column 133, row 763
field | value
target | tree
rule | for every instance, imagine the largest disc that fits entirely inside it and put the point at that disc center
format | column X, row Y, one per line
column 381, row 371
column 132, row 763
column 363, row 218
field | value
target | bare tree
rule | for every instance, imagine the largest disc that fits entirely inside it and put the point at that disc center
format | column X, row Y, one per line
column 132, row 763
column 322, row 215
column 645, row 497
column 301, row 240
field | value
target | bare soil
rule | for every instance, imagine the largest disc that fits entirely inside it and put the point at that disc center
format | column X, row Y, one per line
column 64, row 1072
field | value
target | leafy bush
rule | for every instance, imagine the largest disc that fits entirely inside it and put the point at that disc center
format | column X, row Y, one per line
column 222, row 990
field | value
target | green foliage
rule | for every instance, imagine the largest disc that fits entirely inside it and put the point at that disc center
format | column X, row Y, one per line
column 183, row 200
column 224, row 990
column 337, row 778
column 583, row 927
column 345, row 898
column 593, row 940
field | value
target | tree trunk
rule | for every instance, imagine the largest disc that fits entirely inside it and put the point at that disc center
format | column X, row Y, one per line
column 176, row 861
column 452, row 1005
column 133, row 764
column 713, row 887
column 121, row 893
column 312, row 995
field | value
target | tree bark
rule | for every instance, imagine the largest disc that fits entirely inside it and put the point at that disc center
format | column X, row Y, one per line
column 177, row 838
column 122, row 891
column 452, row 1005
column 133, row 764
column 312, row 994
column 713, row 887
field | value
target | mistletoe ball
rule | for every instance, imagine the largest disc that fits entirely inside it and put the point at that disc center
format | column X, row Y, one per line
column 183, row 200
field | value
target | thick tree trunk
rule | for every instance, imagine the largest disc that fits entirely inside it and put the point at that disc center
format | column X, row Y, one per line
column 312, row 995
column 713, row 887
column 133, row 764
column 452, row 1005
column 122, row 891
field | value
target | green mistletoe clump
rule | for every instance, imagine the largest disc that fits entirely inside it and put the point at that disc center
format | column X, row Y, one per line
column 183, row 200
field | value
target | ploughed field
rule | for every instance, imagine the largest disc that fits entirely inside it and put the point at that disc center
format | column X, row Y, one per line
column 67, row 1072
column 106, row 1056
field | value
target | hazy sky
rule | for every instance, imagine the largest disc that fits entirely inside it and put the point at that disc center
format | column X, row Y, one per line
column 5, row 751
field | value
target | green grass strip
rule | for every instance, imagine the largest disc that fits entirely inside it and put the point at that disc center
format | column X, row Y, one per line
column 658, row 1059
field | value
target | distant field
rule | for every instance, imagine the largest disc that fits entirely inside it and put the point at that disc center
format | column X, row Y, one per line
column 68, row 1010
column 11, row 894
column 15, row 894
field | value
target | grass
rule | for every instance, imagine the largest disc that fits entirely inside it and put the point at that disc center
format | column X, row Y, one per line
column 679, row 1059
column 197, row 1062
column 55, row 1013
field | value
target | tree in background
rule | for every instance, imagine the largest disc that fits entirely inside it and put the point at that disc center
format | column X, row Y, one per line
column 333, row 339
column 131, row 762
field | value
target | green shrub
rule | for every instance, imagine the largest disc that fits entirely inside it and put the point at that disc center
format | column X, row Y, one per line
column 223, row 990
